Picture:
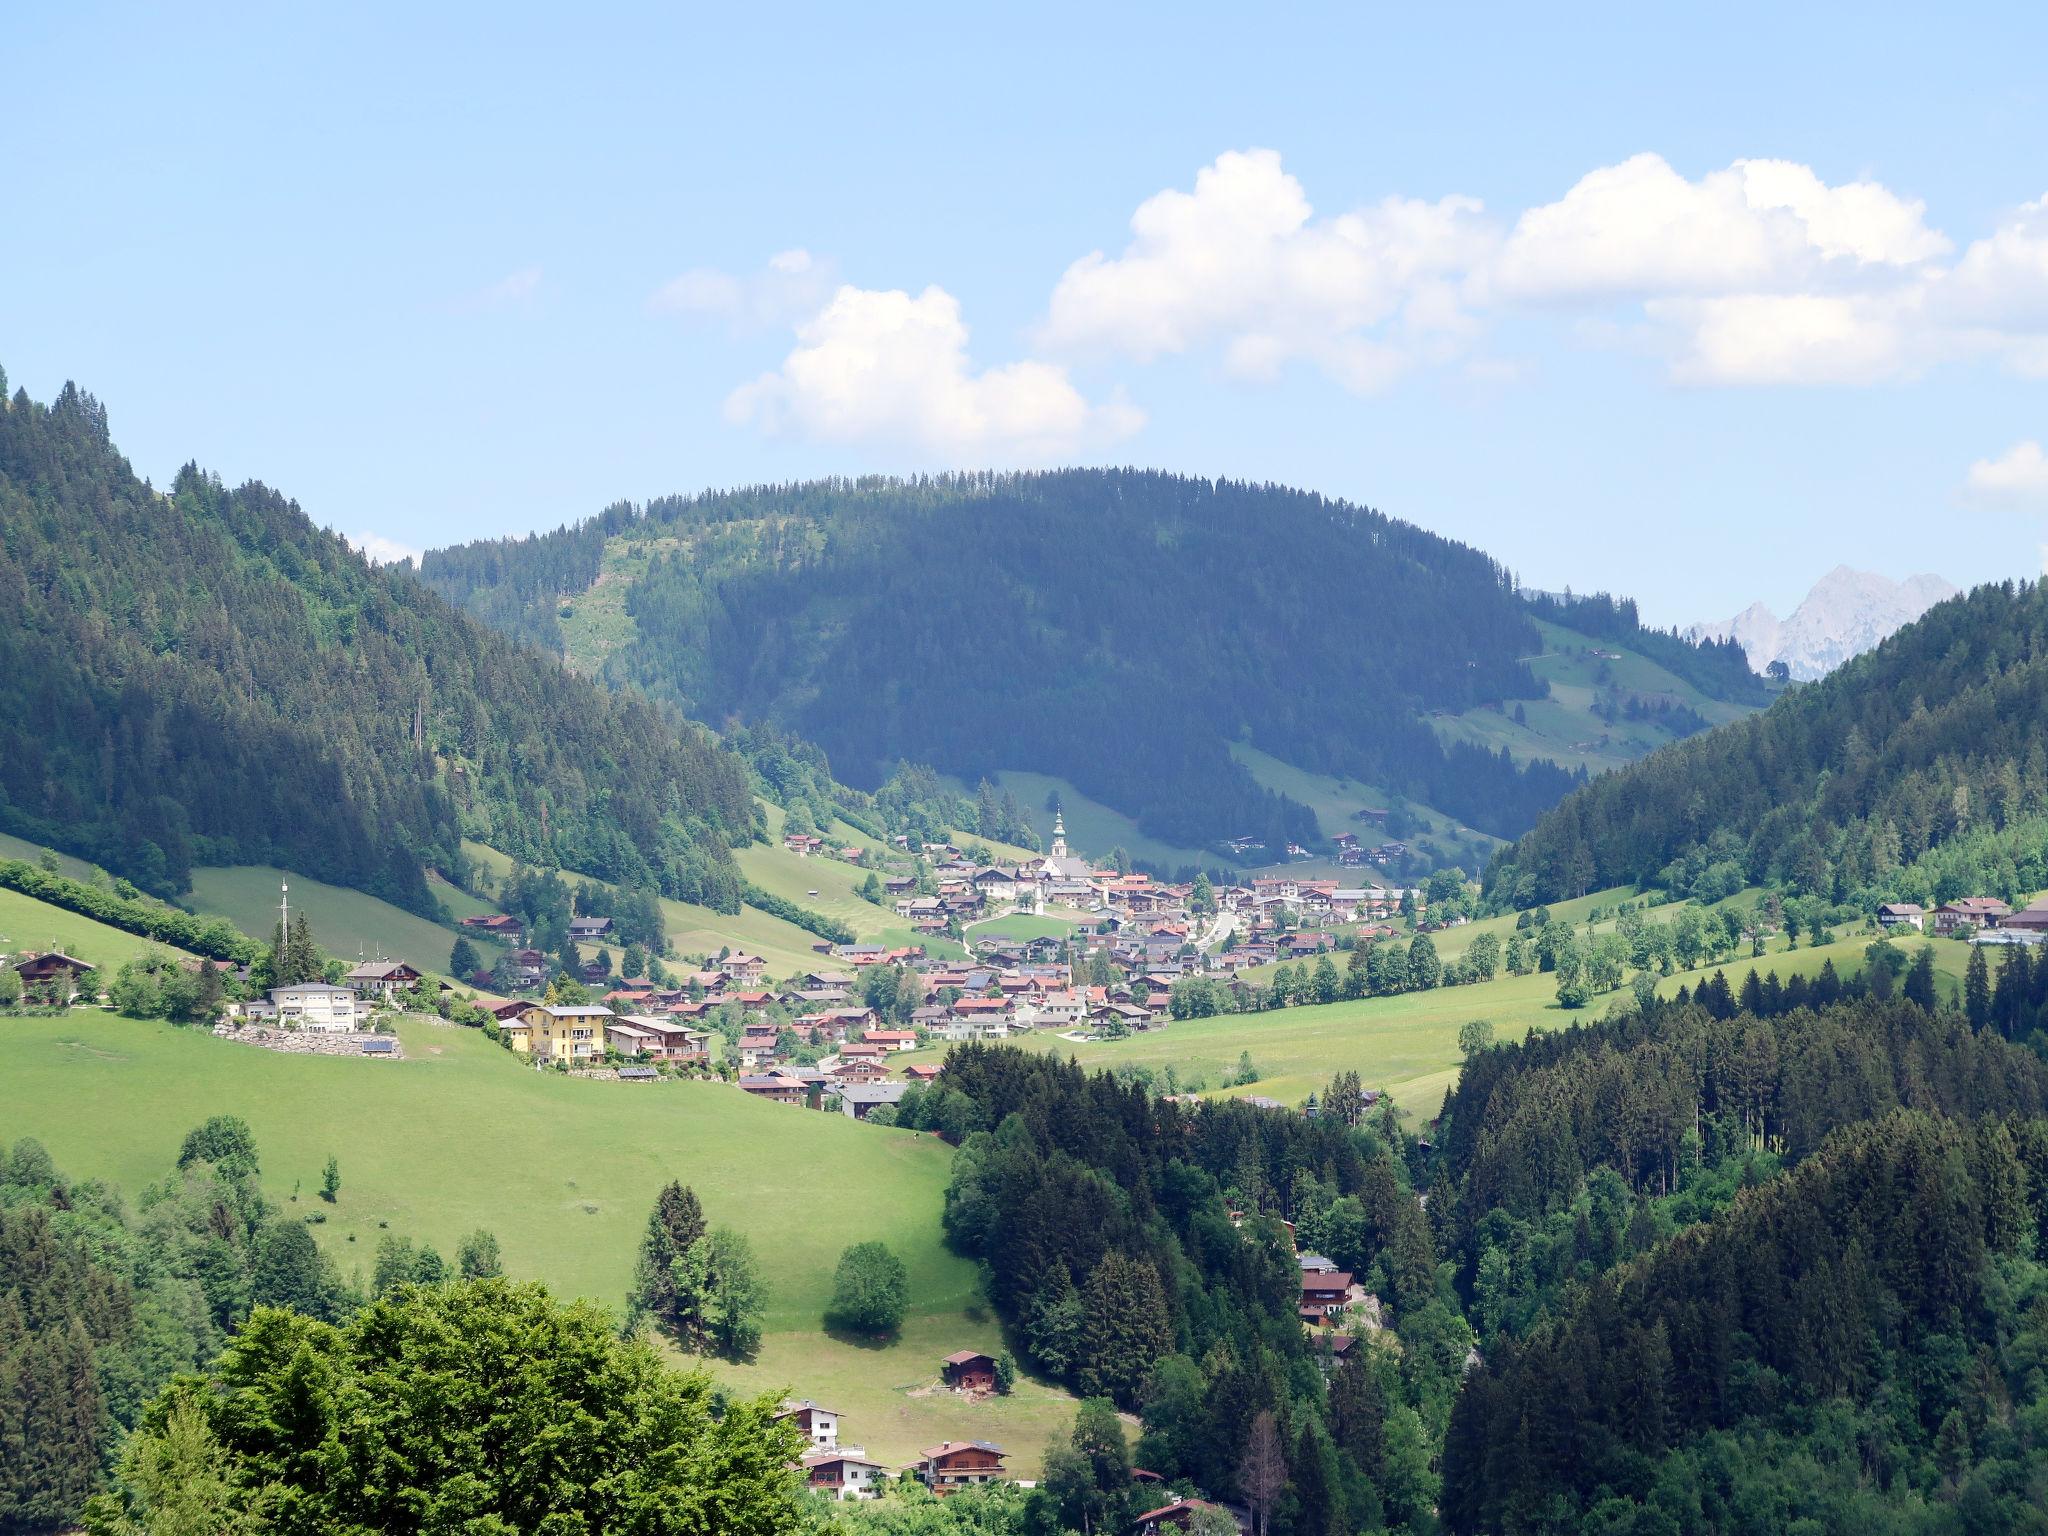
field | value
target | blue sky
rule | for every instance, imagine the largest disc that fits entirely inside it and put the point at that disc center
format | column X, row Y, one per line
column 1692, row 305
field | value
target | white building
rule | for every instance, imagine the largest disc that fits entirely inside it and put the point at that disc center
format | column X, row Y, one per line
column 314, row 1005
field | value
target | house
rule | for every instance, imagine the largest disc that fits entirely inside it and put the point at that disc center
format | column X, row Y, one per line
column 777, row 1088
column 1970, row 912
column 893, row 1040
column 1900, row 914
column 946, row 1469
column 847, row 1474
column 862, row 1099
column 1324, row 1293
column 556, row 1032
column 497, row 926
column 923, row 1072
column 819, row 1424
column 315, row 1005
column 518, row 1034
column 382, row 979
column 744, row 968
column 969, row 1370
column 802, row 844
column 53, row 970
column 663, row 1039
column 589, row 930
column 1177, row 1516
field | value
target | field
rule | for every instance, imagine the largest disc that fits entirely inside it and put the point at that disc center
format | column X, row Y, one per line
column 1408, row 1044
column 346, row 923
column 1564, row 726
column 564, row 1172
column 26, row 923
column 1334, row 800
column 21, row 848
column 794, row 877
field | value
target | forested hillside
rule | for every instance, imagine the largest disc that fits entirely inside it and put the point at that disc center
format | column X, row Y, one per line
column 1114, row 628
column 205, row 677
column 1916, row 769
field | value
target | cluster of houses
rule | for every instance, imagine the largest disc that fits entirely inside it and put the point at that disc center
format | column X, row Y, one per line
column 1986, row 919
column 848, row 1472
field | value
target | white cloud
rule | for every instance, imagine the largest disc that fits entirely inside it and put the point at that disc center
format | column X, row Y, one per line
column 1242, row 262
column 1640, row 229
column 2017, row 480
column 884, row 365
column 792, row 285
column 1786, row 338
column 379, row 550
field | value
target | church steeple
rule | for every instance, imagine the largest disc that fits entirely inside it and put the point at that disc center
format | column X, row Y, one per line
column 1059, row 835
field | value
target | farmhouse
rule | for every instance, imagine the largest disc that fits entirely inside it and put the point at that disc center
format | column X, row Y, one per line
column 54, row 969
column 1900, row 914
column 589, row 930
column 946, row 1469
column 1177, row 1516
column 1970, row 912
column 314, row 1005
column 862, row 1099
column 1324, row 1294
column 969, row 1371
column 744, row 968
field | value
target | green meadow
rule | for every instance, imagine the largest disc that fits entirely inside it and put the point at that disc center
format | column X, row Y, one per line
column 460, row 1135
column 26, row 923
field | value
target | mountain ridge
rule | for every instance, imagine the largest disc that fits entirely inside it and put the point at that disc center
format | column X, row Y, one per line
column 1842, row 615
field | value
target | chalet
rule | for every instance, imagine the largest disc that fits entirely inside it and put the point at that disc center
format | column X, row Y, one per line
column 558, row 1032
column 670, row 1040
column 382, row 979
column 1324, row 1294
column 802, row 844
column 758, row 1048
column 826, row 980
column 819, row 1424
column 589, row 930
column 923, row 1072
column 53, row 970
column 1900, row 914
column 946, row 1469
column 863, row 1051
column 847, row 1474
column 777, row 1088
column 969, row 1370
column 1970, row 912
column 744, row 968
column 862, row 1099
column 893, row 1040
column 315, row 1005
column 497, row 925
column 1130, row 1015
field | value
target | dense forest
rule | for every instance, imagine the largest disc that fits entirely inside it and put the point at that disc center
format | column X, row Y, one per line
column 204, row 677
column 1917, row 770
column 1114, row 628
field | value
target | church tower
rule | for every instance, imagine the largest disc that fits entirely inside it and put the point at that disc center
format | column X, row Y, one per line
column 1059, row 835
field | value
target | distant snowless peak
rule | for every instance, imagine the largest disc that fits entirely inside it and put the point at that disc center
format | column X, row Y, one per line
column 1845, row 614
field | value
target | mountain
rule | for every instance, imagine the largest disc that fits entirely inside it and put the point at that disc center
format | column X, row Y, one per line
column 202, row 676
column 1117, row 629
column 1845, row 614
column 1917, row 767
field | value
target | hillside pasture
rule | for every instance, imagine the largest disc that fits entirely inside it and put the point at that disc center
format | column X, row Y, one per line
column 564, row 1171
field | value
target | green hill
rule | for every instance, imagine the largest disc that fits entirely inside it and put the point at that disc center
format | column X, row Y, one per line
column 564, row 1171
column 1113, row 629
column 1915, row 771
column 204, row 677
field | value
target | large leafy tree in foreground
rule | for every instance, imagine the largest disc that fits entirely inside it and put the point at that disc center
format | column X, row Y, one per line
column 482, row 1407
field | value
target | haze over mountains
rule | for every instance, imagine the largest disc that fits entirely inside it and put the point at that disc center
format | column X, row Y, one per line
column 1844, row 614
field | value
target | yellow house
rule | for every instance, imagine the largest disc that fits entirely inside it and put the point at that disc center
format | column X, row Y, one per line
column 557, row 1033
column 518, row 1032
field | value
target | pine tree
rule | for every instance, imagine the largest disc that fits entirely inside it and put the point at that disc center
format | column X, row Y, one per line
column 1977, row 988
column 1125, row 1327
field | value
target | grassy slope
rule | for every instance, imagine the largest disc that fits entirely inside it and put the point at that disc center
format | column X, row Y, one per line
column 563, row 1170
column 26, row 923
column 345, row 922
column 1334, row 799
column 20, row 848
column 1564, row 727
column 1023, row 925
